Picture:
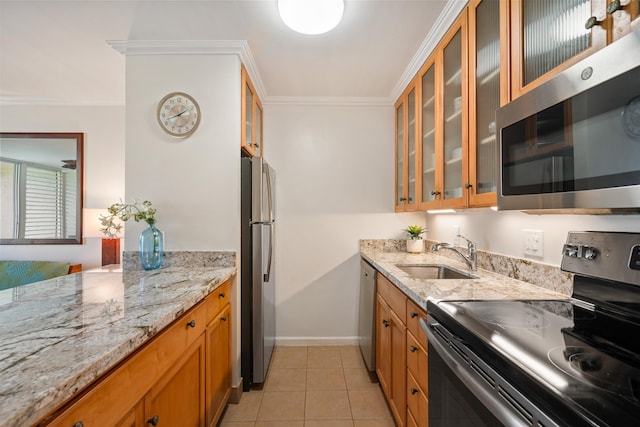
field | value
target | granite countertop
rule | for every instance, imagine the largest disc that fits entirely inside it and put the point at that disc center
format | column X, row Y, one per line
column 488, row 285
column 58, row 335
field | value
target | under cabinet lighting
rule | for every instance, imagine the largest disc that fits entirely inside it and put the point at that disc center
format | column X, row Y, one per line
column 494, row 208
column 440, row 211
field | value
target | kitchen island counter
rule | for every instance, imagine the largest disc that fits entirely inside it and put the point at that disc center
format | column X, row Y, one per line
column 487, row 285
column 59, row 335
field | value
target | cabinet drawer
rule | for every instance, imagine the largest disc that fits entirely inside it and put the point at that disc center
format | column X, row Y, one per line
column 393, row 296
column 115, row 395
column 414, row 314
column 417, row 402
column 417, row 362
column 218, row 299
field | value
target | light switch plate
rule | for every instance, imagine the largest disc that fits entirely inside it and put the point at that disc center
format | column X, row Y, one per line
column 533, row 242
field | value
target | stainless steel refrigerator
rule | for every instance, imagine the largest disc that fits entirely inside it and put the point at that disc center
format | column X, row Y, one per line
column 257, row 267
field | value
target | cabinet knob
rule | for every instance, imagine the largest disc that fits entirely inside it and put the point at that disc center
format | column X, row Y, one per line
column 191, row 324
column 386, row 324
column 79, row 424
column 435, row 193
column 223, row 318
column 613, row 6
column 413, row 314
column 221, row 295
column 468, row 186
column 592, row 22
column 153, row 421
column 413, row 391
column 413, row 349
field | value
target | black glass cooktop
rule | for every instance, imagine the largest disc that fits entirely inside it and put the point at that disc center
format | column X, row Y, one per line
column 580, row 364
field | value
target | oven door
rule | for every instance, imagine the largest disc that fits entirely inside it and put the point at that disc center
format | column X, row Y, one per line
column 466, row 391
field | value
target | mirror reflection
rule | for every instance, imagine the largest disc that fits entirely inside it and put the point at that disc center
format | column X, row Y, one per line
column 41, row 188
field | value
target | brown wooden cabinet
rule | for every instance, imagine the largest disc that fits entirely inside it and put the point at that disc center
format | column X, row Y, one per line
column 390, row 346
column 407, row 159
column 182, row 376
column 251, row 118
column 417, row 367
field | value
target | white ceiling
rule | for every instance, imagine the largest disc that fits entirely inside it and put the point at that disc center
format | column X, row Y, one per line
column 56, row 51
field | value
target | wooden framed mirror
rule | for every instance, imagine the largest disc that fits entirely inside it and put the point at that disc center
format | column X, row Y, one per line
column 41, row 188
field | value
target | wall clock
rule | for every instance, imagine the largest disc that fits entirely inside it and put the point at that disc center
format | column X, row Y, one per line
column 178, row 114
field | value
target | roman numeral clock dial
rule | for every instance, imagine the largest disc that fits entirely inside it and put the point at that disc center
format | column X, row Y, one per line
column 178, row 114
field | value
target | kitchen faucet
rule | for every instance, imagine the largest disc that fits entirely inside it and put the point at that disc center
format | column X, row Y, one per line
column 470, row 258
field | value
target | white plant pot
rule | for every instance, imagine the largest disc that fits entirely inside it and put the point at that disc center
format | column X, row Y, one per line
column 415, row 246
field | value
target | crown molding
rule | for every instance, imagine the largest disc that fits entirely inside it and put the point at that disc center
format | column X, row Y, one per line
column 327, row 101
column 195, row 47
column 448, row 16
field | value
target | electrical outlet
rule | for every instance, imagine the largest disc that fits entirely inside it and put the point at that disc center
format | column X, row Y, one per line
column 456, row 231
column 533, row 242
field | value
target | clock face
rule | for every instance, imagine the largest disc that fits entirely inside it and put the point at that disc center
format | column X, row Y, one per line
column 178, row 114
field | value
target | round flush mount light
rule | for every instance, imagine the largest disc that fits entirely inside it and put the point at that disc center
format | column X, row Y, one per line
column 311, row 16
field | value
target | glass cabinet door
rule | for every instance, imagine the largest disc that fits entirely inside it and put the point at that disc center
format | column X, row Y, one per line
column 248, row 116
column 454, row 106
column 550, row 35
column 411, row 147
column 484, row 94
column 428, row 134
column 400, row 163
column 257, row 139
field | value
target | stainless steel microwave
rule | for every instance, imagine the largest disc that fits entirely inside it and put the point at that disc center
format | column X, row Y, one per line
column 573, row 143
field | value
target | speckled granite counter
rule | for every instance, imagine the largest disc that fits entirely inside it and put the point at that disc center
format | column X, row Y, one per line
column 488, row 285
column 58, row 335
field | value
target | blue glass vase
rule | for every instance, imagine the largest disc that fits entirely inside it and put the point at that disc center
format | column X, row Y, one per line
column 151, row 248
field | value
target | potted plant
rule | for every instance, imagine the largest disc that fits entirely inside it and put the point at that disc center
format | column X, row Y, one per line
column 415, row 244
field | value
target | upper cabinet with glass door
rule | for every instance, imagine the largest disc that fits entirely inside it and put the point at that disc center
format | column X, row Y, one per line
column 407, row 156
column 431, row 178
column 488, row 90
column 251, row 119
column 454, row 116
column 551, row 35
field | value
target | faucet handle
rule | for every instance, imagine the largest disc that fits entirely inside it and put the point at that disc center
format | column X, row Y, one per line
column 470, row 244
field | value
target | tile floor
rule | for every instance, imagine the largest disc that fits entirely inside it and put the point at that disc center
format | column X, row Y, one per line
column 313, row 387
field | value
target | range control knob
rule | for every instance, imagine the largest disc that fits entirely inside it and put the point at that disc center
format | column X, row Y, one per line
column 570, row 251
column 589, row 252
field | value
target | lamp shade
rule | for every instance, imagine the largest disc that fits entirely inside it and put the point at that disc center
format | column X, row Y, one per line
column 311, row 16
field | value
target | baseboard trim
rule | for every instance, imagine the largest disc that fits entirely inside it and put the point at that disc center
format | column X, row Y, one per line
column 315, row 341
column 236, row 393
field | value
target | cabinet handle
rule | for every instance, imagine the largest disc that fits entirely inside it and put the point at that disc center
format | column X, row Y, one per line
column 153, row 421
column 403, row 199
column 223, row 318
column 221, row 295
column 413, row 349
column 79, row 424
column 191, row 324
column 614, row 6
column 468, row 186
column 413, row 391
column 435, row 193
column 413, row 314
column 386, row 324
column 592, row 22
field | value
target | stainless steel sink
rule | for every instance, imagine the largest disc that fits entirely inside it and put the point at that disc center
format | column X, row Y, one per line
column 433, row 271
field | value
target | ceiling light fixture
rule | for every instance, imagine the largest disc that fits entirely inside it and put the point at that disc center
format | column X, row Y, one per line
column 311, row 16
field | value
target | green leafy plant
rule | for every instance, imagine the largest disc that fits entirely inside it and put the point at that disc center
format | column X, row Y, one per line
column 139, row 211
column 414, row 231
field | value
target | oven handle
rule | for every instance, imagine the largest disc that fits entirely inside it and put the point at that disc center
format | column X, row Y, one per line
column 497, row 404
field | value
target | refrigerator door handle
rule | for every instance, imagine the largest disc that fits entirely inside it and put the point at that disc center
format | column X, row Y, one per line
column 269, row 193
column 268, row 273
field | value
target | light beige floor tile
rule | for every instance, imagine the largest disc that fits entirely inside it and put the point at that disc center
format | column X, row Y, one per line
column 325, row 379
column 328, row 423
column 374, row 423
column 324, row 357
column 359, row 379
column 236, row 424
column 288, row 359
column 368, row 404
column 327, row 405
column 352, row 358
column 290, row 348
column 286, row 380
column 280, row 424
column 282, row 406
column 246, row 409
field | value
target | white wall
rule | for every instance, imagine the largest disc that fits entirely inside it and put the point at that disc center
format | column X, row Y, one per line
column 334, row 168
column 501, row 232
column 194, row 182
column 103, row 127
